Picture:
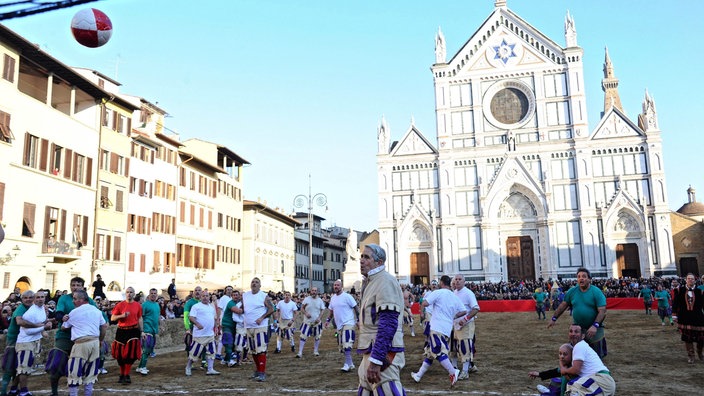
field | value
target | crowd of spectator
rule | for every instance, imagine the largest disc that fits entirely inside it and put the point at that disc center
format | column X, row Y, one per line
column 523, row 290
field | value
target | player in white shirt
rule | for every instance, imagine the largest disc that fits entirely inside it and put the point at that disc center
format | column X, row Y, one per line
column 257, row 308
column 463, row 337
column 286, row 315
column 32, row 323
column 343, row 307
column 88, row 327
column 203, row 316
column 446, row 308
column 312, row 309
column 594, row 376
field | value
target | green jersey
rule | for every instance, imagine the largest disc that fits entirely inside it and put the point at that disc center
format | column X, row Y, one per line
column 151, row 313
column 227, row 315
column 663, row 298
column 585, row 306
column 646, row 293
column 539, row 298
column 186, row 312
column 14, row 329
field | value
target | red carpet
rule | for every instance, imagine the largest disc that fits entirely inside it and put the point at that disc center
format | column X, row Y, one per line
column 529, row 305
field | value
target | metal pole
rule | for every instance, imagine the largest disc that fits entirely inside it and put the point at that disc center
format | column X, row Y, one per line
column 298, row 202
column 310, row 234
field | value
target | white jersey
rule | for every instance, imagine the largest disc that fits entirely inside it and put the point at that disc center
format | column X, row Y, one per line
column 205, row 315
column 84, row 321
column 254, row 308
column 445, row 306
column 238, row 318
column 313, row 306
column 467, row 298
column 429, row 308
column 286, row 309
column 222, row 304
column 34, row 314
column 342, row 307
column 591, row 364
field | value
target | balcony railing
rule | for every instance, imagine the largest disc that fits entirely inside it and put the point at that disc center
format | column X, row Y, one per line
column 54, row 246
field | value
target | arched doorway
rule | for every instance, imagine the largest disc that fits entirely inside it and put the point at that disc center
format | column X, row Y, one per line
column 24, row 284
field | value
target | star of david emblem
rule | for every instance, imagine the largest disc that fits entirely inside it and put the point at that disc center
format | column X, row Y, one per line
column 504, row 51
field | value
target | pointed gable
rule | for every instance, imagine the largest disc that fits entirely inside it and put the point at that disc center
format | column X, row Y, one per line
column 512, row 170
column 615, row 124
column 413, row 142
column 505, row 40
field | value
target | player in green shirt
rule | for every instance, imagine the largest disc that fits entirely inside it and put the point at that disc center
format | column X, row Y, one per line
column 151, row 314
column 588, row 310
column 664, row 300
column 646, row 293
column 539, row 297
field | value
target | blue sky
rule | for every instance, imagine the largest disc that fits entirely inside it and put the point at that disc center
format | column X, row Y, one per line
column 299, row 87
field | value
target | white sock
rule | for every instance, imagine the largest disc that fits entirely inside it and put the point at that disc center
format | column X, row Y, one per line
column 447, row 365
column 424, row 367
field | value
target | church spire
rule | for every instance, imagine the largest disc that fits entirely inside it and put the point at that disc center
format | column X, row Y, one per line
column 382, row 136
column 609, row 84
column 648, row 119
column 440, row 47
column 570, row 31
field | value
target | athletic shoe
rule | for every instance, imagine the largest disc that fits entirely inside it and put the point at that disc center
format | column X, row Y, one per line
column 544, row 390
column 316, row 353
column 463, row 376
column 142, row 370
column 13, row 392
column 231, row 363
column 261, row 377
column 277, row 351
column 120, row 380
column 212, row 372
column 345, row 368
column 153, row 354
column 293, row 348
column 415, row 377
column 453, row 377
column 254, row 375
column 298, row 356
column 662, row 324
column 473, row 369
column 127, row 380
column 188, row 371
column 102, row 371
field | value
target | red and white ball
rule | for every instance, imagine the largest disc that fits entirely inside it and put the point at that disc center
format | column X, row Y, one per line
column 91, row 27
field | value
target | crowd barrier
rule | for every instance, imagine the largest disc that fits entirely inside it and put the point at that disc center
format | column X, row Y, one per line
column 529, row 305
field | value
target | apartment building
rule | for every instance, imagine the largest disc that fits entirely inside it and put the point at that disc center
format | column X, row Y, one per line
column 268, row 247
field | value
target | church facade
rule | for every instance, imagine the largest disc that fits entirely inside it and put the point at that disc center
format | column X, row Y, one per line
column 517, row 185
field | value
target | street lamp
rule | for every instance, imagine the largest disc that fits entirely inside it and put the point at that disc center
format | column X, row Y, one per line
column 299, row 201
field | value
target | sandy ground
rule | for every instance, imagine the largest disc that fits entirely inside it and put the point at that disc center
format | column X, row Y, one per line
column 644, row 357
